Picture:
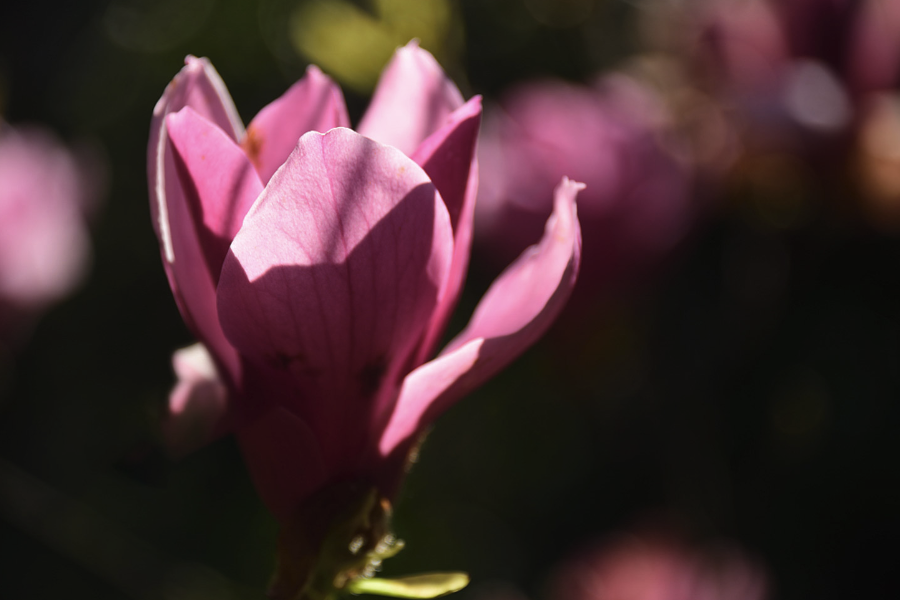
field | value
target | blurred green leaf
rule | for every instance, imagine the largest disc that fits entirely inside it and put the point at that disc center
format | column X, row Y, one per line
column 427, row 585
column 353, row 44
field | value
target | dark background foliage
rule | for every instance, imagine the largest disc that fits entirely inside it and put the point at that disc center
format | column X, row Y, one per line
column 748, row 393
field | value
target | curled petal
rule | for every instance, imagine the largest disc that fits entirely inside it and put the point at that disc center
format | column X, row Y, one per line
column 413, row 99
column 530, row 293
column 217, row 180
column 193, row 363
column 448, row 156
column 314, row 103
column 200, row 87
column 197, row 404
column 334, row 275
column 517, row 309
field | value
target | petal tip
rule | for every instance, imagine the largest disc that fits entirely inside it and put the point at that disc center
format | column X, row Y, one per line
column 473, row 105
column 314, row 71
column 570, row 184
column 413, row 50
column 566, row 194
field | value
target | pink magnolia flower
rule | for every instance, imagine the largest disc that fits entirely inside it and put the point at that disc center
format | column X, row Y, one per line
column 636, row 206
column 44, row 243
column 319, row 274
column 653, row 567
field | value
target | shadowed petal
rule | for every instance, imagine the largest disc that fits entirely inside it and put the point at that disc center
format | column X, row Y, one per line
column 413, row 99
column 448, row 157
column 284, row 460
column 197, row 404
column 218, row 182
column 314, row 103
column 517, row 309
column 334, row 275
column 200, row 87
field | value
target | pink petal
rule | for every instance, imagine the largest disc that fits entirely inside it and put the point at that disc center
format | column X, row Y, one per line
column 413, row 99
column 314, row 103
column 448, row 157
column 517, row 309
column 45, row 249
column 874, row 57
column 284, row 459
column 435, row 383
column 199, row 86
column 334, row 275
column 217, row 179
column 197, row 404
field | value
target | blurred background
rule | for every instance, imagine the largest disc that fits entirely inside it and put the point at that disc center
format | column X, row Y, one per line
column 715, row 414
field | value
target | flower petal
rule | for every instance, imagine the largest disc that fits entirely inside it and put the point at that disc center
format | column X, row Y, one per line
column 45, row 248
column 314, row 103
column 198, row 86
column 197, row 404
column 874, row 48
column 218, row 182
column 448, row 156
column 334, row 275
column 284, row 460
column 413, row 99
column 517, row 309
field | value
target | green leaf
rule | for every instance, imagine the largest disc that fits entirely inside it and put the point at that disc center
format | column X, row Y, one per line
column 426, row 585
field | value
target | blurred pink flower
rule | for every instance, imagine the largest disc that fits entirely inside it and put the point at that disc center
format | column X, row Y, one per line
column 796, row 80
column 653, row 567
column 636, row 205
column 799, row 63
column 44, row 243
column 858, row 39
column 320, row 275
